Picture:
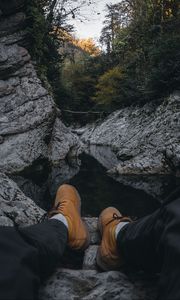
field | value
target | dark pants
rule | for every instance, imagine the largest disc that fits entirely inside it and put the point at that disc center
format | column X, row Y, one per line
column 153, row 244
column 30, row 254
column 27, row 256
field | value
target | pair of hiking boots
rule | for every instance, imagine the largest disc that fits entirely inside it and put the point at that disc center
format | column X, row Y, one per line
column 68, row 203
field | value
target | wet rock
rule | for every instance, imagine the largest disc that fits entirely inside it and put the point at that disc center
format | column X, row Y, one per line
column 145, row 140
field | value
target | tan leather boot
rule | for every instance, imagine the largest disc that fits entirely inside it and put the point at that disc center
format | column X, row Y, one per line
column 68, row 203
column 108, row 257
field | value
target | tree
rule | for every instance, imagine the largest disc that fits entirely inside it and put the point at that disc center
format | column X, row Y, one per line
column 111, row 23
column 88, row 45
column 117, row 17
column 108, row 87
column 48, row 26
column 144, row 45
column 79, row 75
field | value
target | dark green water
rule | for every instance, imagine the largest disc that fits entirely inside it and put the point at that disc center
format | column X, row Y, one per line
column 133, row 196
column 99, row 191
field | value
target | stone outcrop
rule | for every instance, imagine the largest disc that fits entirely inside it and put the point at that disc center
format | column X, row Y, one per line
column 145, row 141
column 63, row 142
column 90, row 285
column 15, row 207
column 28, row 115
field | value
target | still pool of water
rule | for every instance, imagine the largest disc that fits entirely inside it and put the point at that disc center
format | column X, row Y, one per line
column 98, row 191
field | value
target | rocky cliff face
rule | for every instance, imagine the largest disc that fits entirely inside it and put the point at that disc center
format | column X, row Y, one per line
column 145, row 141
column 28, row 115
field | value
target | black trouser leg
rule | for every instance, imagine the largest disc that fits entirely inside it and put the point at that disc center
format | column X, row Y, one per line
column 27, row 255
column 153, row 243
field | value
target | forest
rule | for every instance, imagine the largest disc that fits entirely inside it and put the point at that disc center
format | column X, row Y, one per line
column 137, row 59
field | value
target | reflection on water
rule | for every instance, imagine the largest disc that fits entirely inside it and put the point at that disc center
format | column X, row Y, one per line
column 98, row 191
column 133, row 196
column 158, row 186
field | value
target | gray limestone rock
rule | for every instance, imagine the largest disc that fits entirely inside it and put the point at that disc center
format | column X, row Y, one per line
column 29, row 127
column 90, row 284
column 89, row 262
column 93, row 230
column 15, row 207
column 63, row 142
column 61, row 173
column 145, row 140
column 27, row 112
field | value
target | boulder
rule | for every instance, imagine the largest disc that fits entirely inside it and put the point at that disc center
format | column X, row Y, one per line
column 63, row 142
column 90, row 284
column 145, row 140
column 15, row 207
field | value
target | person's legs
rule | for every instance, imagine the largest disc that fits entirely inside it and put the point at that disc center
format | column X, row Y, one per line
column 138, row 242
column 49, row 239
column 155, row 241
column 169, row 249
column 29, row 254
column 26, row 255
column 151, row 243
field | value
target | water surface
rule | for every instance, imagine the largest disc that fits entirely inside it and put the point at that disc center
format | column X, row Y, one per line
column 133, row 195
column 98, row 191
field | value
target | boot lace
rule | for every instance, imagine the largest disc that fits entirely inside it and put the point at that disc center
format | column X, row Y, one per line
column 120, row 218
column 54, row 210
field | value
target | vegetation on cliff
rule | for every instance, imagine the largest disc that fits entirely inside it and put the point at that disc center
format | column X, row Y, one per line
column 142, row 39
column 139, row 59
